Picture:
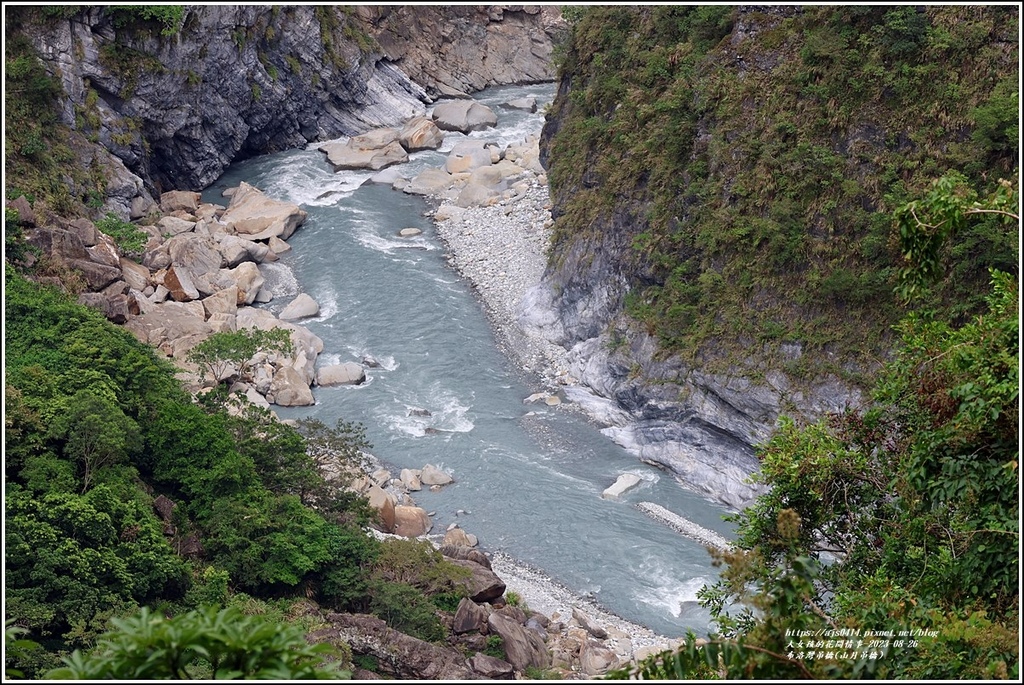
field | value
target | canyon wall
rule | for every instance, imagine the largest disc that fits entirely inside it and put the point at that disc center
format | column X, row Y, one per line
column 175, row 107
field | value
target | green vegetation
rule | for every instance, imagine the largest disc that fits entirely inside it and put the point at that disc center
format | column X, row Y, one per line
column 129, row 237
column 903, row 520
column 36, row 150
column 231, row 351
column 755, row 180
column 206, row 644
column 495, row 647
column 410, row 581
column 97, row 427
column 129, row 64
column 168, row 17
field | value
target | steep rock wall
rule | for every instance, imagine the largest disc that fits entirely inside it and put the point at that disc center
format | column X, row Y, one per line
column 237, row 81
column 715, row 261
column 455, row 50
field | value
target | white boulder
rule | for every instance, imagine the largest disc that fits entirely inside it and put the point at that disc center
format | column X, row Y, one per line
column 624, row 482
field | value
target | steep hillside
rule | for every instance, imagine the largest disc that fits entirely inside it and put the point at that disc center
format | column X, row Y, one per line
column 723, row 181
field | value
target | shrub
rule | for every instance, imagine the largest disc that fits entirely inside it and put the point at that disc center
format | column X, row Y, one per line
column 129, row 238
column 207, row 643
column 405, row 609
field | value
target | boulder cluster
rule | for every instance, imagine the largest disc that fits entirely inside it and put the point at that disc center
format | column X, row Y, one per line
column 475, row 174
column 391, row 498
column 569, row 643
column 198, row 274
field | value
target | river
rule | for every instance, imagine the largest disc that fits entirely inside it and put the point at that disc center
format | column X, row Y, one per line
column 528, row 478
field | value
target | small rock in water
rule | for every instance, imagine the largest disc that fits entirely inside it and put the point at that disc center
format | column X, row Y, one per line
column 370, row 363
column 415, row 411
column 624, row 482
column 409, row 232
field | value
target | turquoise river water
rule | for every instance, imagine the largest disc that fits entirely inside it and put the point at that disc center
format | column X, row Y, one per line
column 530, row 477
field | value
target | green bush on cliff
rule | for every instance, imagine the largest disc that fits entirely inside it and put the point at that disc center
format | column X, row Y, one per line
column 128, row 236
column 168, row 17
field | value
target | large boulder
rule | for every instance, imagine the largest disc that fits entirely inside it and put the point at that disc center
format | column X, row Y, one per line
column 374, row 150
column 173, row 225
column 104, row 252
column 162, row 323
column 429, row 182
column 85, row 230
column 463, row 116
column 135, row 274
column 253, row 214
column 301, row 307
column 411, row 522
column 289, row 389
column 491, row 668
column 384, row 504
column 26, row 215
column 346, row 373
column 178, row 280
column 588, row 624
column 469, row 617
column 222, row 302
column 198, row 254
column 398, row 656
column 113, row 306
column 431, row 475
column 247, row 278
column 462, row 552
column 523, row 648
column 420, row 133
column 476, row 195
column 459, row 538
column 410, row 479
column 596, row 659
column 624, row 482
column 528, row 104
column 237, row 249
column 466, row 156
column 56, row 242
column 97, row 276
column 175, row 200
column 483, row 585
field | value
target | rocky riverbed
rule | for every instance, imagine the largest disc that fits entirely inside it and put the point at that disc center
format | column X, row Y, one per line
column 502, row 250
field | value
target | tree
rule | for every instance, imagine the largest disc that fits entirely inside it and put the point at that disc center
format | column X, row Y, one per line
column 229, row 353
column 903, row 518
column 219, row 644
column 95, row 433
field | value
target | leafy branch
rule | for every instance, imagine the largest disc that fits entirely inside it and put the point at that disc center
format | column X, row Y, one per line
column 229, row 354
column 925, row 226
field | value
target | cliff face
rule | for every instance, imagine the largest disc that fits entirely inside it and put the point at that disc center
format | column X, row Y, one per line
column 237, row 81
column 460, row 49
column 721, row 180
